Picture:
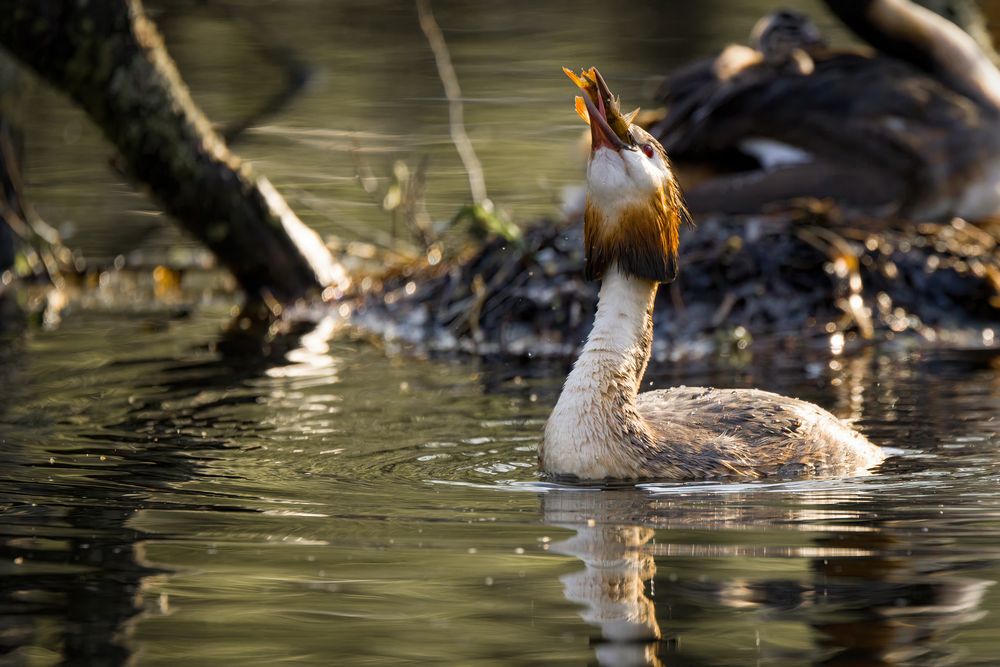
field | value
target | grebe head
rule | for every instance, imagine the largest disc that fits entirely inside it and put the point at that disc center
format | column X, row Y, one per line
column 778, row 34
column 634, row 207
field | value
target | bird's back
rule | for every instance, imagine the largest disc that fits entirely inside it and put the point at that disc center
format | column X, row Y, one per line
column 705, row 432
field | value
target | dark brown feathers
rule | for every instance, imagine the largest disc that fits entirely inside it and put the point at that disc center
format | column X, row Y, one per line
column 642, row 241
column 887, row 133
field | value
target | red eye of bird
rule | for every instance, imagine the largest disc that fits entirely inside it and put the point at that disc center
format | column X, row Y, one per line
column 647, row 150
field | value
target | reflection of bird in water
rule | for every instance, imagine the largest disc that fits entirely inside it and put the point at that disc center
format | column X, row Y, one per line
column 601, row 427
column 870, row 593
column 911, row 130
column 612, row 587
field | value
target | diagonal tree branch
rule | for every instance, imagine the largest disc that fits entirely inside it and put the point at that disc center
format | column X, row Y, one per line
column 109, row 58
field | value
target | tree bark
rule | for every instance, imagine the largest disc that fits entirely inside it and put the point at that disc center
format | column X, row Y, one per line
column 10, row 158
column 10, row 207
column 110, row 59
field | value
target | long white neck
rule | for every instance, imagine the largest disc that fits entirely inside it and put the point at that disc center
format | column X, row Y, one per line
column 906, row 30
column 595, row 420
column 953, row 50
column 621, row 339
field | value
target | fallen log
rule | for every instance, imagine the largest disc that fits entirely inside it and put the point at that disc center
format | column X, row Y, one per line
column 110, row 59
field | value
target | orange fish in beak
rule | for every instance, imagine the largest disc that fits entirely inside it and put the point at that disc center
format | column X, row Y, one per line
column 599, row 108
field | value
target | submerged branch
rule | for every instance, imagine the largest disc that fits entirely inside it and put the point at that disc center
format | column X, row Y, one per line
column 296, row 73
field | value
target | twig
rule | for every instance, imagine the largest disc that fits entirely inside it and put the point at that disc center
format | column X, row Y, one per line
column 296, row 72
column 411, row 205
column 453, row 93
column 40, row 244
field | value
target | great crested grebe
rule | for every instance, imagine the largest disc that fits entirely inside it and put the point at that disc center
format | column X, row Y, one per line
column 912, row 129
column 601, row 427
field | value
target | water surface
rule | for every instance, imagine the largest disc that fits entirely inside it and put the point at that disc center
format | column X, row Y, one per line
column 167, row 496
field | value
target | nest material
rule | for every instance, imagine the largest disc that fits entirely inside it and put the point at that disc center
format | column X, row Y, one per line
column 787, row 275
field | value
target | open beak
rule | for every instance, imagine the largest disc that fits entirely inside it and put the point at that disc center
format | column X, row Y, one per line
column 598, row 107
column 601, row 134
